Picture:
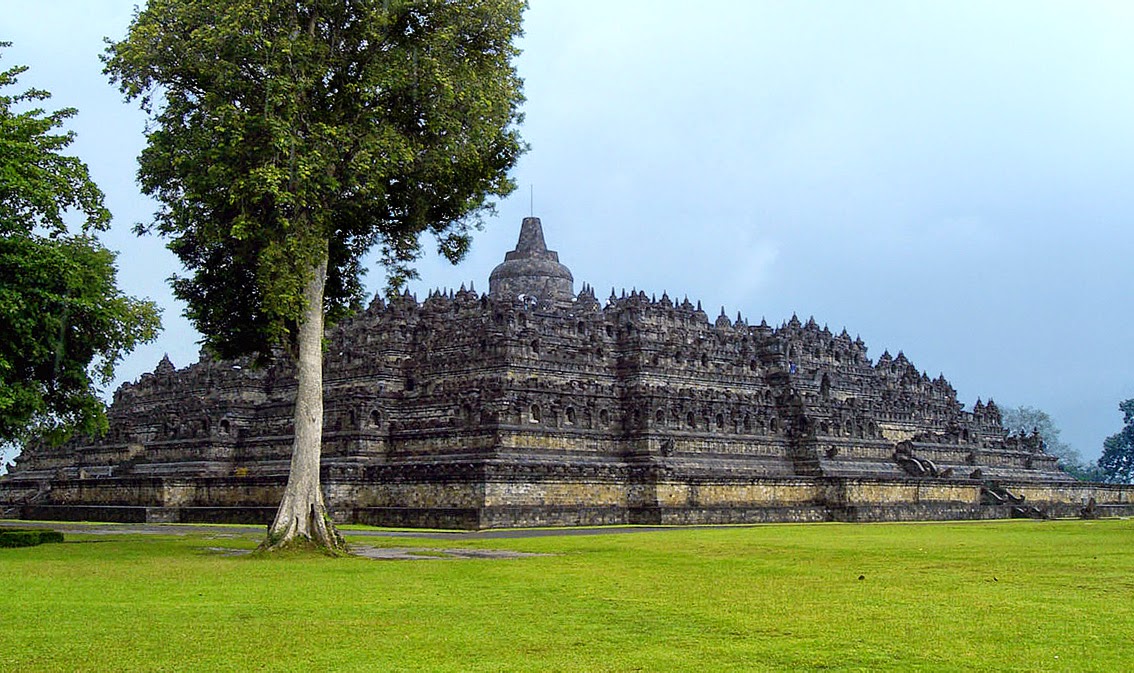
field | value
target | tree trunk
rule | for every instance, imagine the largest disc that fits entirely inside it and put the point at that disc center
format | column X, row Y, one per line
column 302, row 518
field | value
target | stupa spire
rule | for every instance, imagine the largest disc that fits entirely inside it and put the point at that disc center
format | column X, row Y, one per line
column 531, row 237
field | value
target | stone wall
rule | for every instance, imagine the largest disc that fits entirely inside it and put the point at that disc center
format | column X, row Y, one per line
column 557, row 498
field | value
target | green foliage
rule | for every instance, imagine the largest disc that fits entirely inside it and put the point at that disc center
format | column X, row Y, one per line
column 972, row 596
column 1029, row 419
column 64, row 324
column 1117, row 460
column 285, row 131
column 29, row 537
column 19, row 538
column 50, row 536
column 38, row 184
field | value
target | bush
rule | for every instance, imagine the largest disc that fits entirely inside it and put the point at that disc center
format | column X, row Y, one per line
column 47, row 535
column 28, row 537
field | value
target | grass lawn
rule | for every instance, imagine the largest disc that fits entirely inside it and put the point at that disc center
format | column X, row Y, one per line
column 996, row 596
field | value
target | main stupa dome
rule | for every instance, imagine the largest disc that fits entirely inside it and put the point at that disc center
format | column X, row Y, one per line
column 531, row 269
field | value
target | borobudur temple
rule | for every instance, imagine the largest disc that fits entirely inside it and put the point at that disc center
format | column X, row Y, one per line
column 532, row 405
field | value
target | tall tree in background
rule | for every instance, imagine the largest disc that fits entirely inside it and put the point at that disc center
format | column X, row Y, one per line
column 1029, row 419
column 64, row 324
column 288, row 138
column 1117, row 460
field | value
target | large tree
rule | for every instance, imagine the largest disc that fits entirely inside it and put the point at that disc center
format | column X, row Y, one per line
column 64, row 323
column 1029, row 419
column 288, row 138
column 1117, row 460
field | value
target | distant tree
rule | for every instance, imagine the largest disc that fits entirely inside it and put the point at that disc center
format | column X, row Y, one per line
column 64, row 324
column 289, row 138
column 8, row 450
column 1028, row 419
column 1117, row 460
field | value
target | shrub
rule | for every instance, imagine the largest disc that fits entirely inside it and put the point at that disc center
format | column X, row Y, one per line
column 47, row 535
column 28, row 537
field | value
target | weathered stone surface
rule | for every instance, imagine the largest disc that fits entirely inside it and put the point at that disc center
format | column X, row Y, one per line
column 531, row 270
column 531, row 405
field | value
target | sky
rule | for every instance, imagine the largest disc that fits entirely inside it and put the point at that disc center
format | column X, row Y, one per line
column 950, row 180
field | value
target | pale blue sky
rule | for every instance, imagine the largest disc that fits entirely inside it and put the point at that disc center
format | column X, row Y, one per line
column 948, row 179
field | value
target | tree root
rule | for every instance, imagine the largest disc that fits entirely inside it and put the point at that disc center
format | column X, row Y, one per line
column 319, row 534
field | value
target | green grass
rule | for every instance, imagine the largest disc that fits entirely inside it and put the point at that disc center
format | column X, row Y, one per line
column 1004, row 596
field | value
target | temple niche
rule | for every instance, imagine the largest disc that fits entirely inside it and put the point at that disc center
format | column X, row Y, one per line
column 532, row 404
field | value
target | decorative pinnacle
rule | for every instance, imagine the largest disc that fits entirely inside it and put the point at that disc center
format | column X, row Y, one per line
column 531, row 236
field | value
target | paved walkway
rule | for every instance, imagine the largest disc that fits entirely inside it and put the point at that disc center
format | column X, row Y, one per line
column 494, row 534
column 367, row 551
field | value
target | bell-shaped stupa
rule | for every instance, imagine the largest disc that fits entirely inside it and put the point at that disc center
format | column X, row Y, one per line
column 532, row 270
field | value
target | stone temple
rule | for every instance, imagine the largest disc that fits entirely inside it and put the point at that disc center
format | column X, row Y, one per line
column 532, row 405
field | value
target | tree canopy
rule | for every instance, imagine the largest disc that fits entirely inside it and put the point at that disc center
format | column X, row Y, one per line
column 290, row 138
column 1117, row 460
column 64, row 324
column 283, row 129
